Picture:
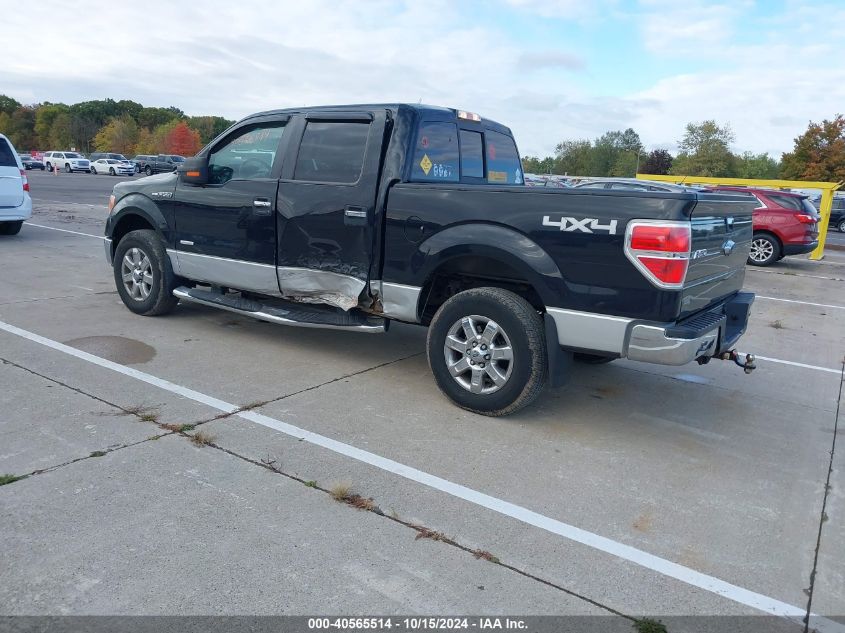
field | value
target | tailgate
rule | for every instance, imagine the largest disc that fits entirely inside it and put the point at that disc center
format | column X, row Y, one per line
column 721, row 238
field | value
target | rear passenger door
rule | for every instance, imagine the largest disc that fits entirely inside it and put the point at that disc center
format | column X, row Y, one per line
column 326, row 206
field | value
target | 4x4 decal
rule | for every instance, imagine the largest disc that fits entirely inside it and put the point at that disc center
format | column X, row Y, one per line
column 585, row 225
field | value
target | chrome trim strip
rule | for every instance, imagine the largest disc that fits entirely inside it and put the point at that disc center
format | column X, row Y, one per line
column 587, row 330
column 271, row 318
column 234, row 273
column 399, row 301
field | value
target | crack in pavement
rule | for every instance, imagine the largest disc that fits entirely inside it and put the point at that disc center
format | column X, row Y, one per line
column 270, row 466
column 823, row 515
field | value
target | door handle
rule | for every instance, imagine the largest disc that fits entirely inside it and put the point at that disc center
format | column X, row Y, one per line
column 355, row 212
column 262, row 206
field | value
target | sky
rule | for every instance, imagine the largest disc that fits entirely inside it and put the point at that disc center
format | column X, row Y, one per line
column 549, row 69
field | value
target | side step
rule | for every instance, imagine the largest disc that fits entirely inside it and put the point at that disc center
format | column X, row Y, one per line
column 286, row 312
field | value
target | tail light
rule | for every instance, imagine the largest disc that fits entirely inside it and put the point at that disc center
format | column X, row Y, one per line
column 25, row 180
column 660, row 250
column 805, row 218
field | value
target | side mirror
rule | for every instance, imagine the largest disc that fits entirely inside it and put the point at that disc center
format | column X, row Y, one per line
column 194, row 171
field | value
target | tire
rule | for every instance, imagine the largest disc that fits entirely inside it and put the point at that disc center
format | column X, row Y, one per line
column 592, row 359
column 49, row 166
column 111, row 171
column 137, row 169
column 67, row 168
column 841, row 226
column 11, row 228
column 519, row 330
column 145, row 251
column 94, row 170
column 148, row 170
column 765, row 250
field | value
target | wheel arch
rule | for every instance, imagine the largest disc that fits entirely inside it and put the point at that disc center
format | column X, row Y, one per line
column 135, row 212
column 476, row 255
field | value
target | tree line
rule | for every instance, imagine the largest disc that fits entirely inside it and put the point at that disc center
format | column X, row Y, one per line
column 124, row 127
column 704, row 150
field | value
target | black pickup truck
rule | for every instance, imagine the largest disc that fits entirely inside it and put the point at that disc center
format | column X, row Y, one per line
column 348, row 217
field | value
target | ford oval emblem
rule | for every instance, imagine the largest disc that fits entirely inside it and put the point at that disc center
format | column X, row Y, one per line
column 728, row 247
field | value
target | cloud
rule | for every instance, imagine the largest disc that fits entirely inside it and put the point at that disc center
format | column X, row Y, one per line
column 550, row 59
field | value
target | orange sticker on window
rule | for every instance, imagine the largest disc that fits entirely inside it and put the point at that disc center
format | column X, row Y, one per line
column 497, row 176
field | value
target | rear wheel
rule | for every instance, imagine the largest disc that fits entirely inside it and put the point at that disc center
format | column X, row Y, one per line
column 148, row 170
column 94, row 170
column 143, row 274
column 841, row 226
column 10, row 228
column 50, row 166
column 486, row 348
column 765, row 250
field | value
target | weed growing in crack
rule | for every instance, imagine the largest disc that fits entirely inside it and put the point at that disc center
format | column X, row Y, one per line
column 647, row 625
column 97, row 454
column 271, row 463
column 434, row 535
column 203, row 438
column 178, row 428
column 341, row 491
column 10, row 479
column 311, row 484
column 485, row 555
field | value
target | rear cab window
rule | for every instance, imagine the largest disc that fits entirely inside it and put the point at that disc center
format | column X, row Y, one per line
column 448, row 153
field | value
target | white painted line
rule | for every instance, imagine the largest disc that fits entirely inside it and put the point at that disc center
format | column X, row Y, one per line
column 806, row 303
column 790, row 274
column 794, row 364
column 626, row 552
column 53, row 228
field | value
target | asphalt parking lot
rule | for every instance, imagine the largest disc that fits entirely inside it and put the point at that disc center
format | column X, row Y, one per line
column 185, row 464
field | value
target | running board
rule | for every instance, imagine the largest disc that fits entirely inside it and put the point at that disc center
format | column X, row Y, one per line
column 286, row 312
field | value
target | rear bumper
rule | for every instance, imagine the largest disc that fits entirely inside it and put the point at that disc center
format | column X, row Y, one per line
column 15, row 214
column 800, row 249
column 704, row 335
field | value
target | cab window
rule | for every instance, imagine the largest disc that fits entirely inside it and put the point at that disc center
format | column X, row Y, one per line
column 332, row 151
column 503, row 164
column 436, row 157
column 472, row 155
column 246, row 156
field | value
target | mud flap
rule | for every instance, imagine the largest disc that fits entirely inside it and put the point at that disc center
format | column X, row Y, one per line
column 560, row 360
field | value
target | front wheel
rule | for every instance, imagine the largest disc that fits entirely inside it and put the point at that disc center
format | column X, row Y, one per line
column 148, row 170
column 143, row 274
column 487, row 350
column 11, row 228
column 67, row 168
column 841, row 226
column 111, row 171
column 765, row 250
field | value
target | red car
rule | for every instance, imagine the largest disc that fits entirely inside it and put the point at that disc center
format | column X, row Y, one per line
column 785, row 223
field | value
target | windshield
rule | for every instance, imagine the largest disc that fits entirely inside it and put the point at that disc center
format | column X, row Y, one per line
column 177, row 159
column 72, row 155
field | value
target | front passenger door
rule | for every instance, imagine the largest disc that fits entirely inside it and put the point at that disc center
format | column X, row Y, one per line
column 226, row 229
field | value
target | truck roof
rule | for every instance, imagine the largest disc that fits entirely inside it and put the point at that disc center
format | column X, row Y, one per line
column 423, row 111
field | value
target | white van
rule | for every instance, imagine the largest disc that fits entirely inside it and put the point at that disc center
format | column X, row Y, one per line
column 15, row 203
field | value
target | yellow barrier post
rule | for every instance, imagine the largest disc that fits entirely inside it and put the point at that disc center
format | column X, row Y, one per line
column 827, row 189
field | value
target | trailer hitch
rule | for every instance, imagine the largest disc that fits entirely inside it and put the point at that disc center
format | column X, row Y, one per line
column 747, row 366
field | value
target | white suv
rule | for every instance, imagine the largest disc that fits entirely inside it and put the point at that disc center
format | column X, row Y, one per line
column 15, row 203
column 69, row 161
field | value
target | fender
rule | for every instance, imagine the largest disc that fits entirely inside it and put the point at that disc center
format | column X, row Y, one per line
column 496, row 242
column 139, row 205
